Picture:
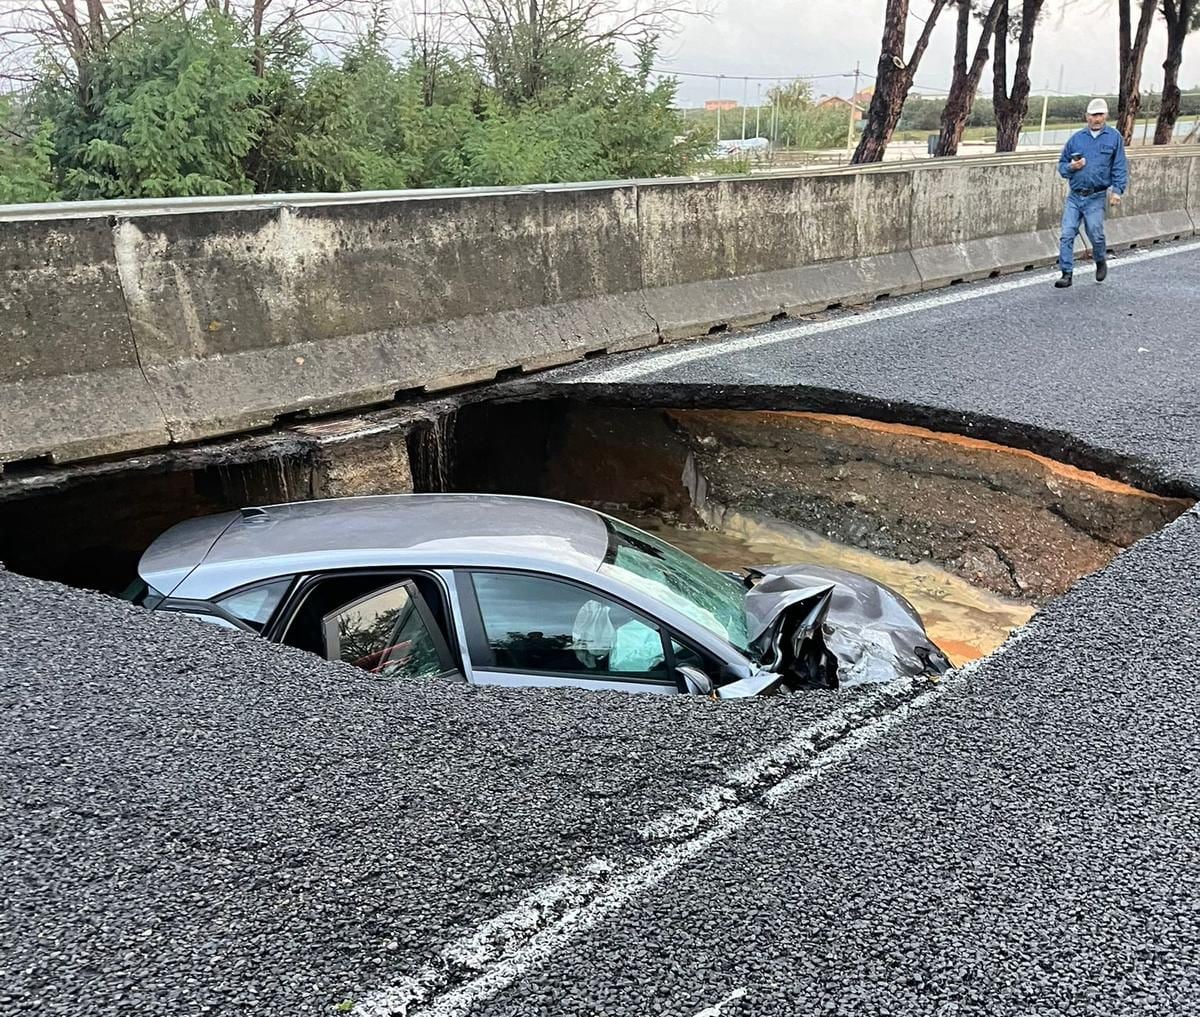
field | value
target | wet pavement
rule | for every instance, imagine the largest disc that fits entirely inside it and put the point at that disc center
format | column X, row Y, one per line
column 196, row 822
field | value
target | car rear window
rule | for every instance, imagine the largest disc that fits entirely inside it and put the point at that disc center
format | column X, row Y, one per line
column 142, row 594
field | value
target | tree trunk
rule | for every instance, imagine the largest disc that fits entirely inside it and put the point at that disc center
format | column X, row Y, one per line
column 95, row 24
column 533, row 85
column 258, row 15
column 1132, row 51
column 1179, row 14
column 893, row 80
column 965, row 82
column 1011, row 105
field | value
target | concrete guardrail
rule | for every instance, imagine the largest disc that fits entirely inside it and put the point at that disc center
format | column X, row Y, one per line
column 130, row 325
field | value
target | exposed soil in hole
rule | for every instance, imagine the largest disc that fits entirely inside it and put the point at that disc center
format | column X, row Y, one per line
column 1008, row 520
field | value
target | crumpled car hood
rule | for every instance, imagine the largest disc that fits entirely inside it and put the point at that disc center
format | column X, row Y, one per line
column 811, row 625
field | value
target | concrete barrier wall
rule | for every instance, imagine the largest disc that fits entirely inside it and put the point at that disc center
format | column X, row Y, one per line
column 1193, row 191
column 1152, row 209
column 70, row 382
column 242, row 318
column 741, row 251
column 126, row 327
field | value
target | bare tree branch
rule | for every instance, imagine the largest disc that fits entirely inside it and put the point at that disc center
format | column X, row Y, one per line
column 512, row 39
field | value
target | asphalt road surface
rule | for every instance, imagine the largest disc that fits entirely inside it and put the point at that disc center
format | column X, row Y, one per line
column 194, row 822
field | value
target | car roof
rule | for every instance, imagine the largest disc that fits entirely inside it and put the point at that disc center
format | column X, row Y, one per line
column 400, row 529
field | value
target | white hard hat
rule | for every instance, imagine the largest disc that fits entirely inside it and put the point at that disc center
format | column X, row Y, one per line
column 1097, row 106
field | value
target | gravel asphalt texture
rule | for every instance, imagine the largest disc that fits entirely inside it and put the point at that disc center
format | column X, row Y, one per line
column 196, row 822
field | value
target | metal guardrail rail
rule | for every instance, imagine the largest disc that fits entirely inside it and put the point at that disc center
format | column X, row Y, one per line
column 128, row 208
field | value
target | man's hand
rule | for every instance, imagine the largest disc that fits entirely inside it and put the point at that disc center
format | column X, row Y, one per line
column 1077, row 164
column 1114, row 200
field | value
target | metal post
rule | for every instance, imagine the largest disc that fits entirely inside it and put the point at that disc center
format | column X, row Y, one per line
column 758, row 110
column 719, row 77
column 1146, row 121
column 745, row 96
column 1045, row 105
column 853, row 107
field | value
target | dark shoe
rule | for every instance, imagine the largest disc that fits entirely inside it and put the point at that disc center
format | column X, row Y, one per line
column 1101, row 270
column 1064, row 282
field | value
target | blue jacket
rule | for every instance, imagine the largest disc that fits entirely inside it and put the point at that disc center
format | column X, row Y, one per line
column 1106, row 164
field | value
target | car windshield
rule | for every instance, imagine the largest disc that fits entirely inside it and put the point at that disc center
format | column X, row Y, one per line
column 677, row 580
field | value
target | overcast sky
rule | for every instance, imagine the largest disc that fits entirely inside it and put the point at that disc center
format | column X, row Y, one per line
column 1075, row 44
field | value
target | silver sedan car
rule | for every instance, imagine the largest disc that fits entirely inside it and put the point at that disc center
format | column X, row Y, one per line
column 503, row 590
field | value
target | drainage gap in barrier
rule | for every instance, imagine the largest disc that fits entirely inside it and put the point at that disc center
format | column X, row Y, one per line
column 509, row 373
column 720, row 329
column 22, row 467
column 994, row 274
column 593, row 354
column 836, row 306
column 880, row 297
column 780, row 316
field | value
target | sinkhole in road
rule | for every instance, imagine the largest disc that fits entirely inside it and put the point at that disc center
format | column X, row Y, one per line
column 975, row 534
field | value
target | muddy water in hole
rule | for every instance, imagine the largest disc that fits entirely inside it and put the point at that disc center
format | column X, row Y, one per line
column 965, row 621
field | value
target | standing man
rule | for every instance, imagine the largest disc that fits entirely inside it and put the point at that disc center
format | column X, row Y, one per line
column 1092, row 161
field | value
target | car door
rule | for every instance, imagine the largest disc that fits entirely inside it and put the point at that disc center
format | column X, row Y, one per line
column 524, row 629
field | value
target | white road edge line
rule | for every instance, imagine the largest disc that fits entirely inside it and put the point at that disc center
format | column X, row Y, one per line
column 667, row 359
column 509, row 945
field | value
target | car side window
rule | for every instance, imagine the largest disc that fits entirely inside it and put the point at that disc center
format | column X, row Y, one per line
column 301, row 621
column 685, row 656
column 533, row 624
column 389, row 632
column 256, row 605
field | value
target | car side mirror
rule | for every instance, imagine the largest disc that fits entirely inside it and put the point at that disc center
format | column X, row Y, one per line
column 695, row 681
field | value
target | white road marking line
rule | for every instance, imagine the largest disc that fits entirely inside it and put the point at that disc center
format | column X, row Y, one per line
column 506, row 947
column 715, row 797
column 486, row 945
column 716, row 1008
column 651, row 363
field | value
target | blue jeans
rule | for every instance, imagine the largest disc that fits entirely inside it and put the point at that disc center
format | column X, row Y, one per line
column 1090, row 212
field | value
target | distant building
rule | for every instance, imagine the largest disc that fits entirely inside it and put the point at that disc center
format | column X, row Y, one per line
column 724, row 105
column 836, row 102
column 833, row 102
